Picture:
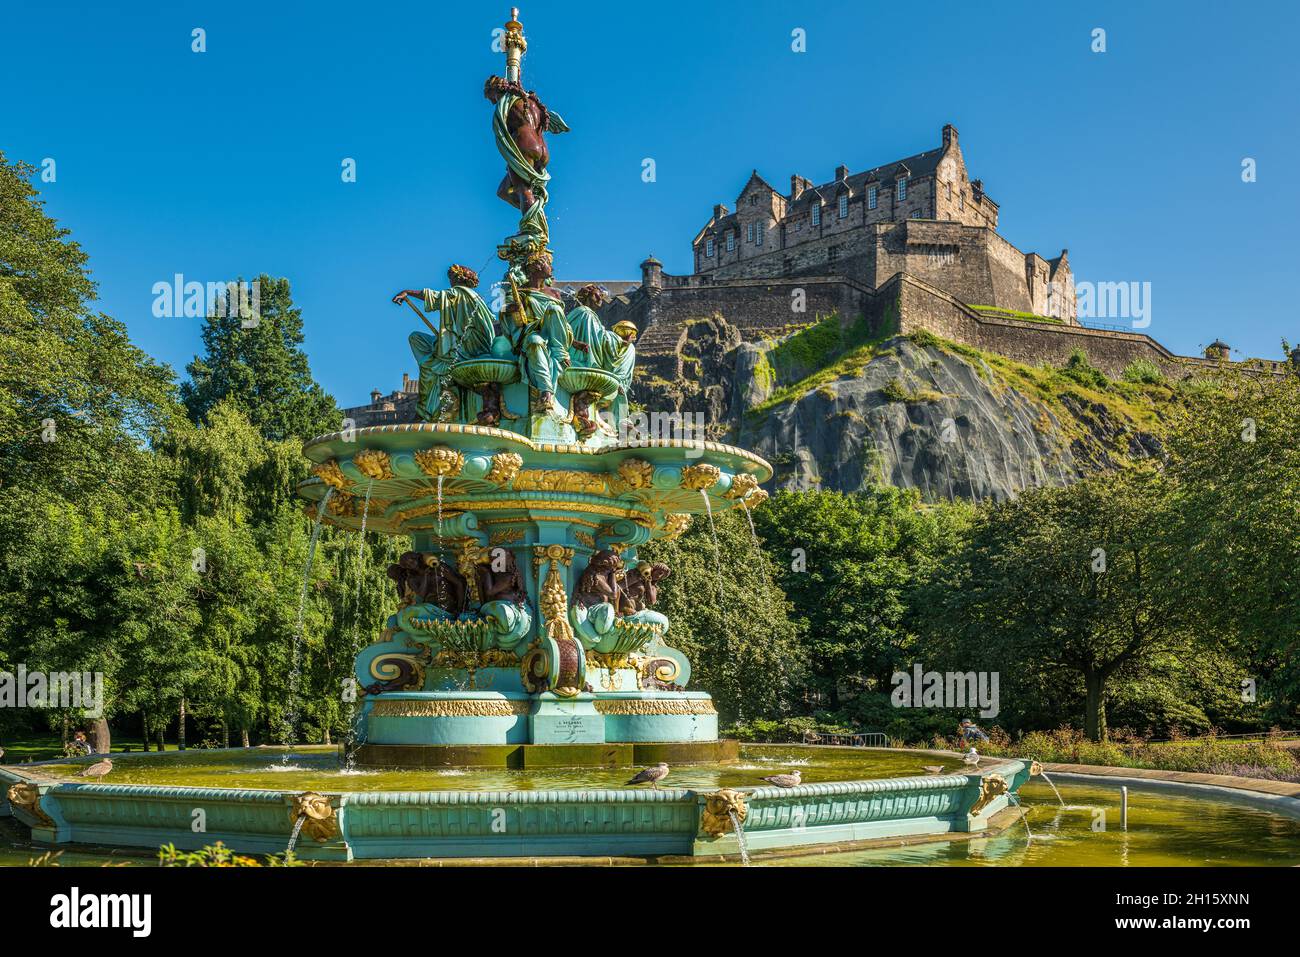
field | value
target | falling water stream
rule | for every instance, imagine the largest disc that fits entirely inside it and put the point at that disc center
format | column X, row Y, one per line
column 349, row 753
column 758, row 549
column 1024, row 815
column 440, row 507
column 1060, row 799
column 295, row 669
column 717, row 552
column 293, row 837
column 740, row 838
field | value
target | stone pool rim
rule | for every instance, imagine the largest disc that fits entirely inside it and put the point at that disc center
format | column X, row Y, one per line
column 1280, row 798
column 669, row 823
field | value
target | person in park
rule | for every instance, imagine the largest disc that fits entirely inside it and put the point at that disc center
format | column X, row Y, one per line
column 968, row 732
column 466, row 328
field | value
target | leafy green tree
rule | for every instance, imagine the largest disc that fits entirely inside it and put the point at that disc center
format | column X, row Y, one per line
column 848, row 563
column 729, row 617
column 78, row 403
column 261, row 368
column 1077, row 585
column 1234, row 461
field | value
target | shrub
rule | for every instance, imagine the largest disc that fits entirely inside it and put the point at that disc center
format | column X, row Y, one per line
column 1143, row 371
column 893, row 391
column 1078, row 369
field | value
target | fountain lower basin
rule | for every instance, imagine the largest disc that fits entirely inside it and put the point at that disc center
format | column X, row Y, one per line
column 839, row 805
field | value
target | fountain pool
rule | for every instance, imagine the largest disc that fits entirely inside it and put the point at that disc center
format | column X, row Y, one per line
column 1165, row 829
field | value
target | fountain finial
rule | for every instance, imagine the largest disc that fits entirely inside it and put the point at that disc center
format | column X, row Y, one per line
column 515, row 45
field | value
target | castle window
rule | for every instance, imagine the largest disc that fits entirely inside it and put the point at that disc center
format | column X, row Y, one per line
column 871, row 197
column 916, row 213
column 844, row 205
column 832, row 253
column 753, row 200
column 758, row 235
column 902, row 189
column 948, row 190
column 749, row 230
column 817, row 214
column 708, row 247
column 731, row 241
column 961, row 202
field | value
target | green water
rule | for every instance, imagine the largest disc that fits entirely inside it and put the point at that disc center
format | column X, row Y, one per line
column 1164, row 830
column 317, row 769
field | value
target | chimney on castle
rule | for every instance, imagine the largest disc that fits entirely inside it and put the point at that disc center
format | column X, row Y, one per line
column 841, row 172
column 798, row 185
column 375, row 396
column 949, row 135
column 977, row 189
column 719, row 211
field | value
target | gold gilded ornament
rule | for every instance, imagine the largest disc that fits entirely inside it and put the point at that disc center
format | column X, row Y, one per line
column 330, row 473
column 505, row 466
column 317, row 814
column 701, row 476
column 719, row 807
column 741, row 485
column 636, row 473
column 440, row 460
column 374, row 464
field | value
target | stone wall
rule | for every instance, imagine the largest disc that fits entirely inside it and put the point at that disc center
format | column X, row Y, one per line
column 923, row 307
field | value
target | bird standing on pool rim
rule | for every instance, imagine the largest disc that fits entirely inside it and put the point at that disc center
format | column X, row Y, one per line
column 652, row 775
column 97, row 770
column 790, row 780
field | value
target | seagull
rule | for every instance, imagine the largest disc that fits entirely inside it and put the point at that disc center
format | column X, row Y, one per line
column 933, row 768
column 652, row 775
column 971, row 759
column 784, row 780
column 97, row 770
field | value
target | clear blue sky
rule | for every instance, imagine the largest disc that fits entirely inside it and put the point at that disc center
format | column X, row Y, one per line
column 228, row 162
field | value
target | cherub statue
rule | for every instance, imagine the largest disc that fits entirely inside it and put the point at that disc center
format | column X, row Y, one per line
column 601, row 584
column 428, row 580
column 520, row 124
column 642, row 583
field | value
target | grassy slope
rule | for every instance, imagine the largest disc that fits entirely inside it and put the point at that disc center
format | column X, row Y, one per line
column 830, row 357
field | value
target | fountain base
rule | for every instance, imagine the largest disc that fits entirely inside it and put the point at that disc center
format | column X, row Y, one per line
column 516, row 729
column 522, row 756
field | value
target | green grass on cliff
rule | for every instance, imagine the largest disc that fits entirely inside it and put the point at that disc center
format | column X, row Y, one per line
column 1140, row 405
column 815, row 356
column 1137, row 404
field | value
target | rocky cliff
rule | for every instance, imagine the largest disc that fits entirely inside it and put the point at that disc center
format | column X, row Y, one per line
column 832, row 408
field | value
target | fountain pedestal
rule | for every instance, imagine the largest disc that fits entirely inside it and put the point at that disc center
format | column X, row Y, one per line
column 573, row 720
column 527, row 617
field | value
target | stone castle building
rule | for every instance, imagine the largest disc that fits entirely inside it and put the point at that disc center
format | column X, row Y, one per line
column 922, row 215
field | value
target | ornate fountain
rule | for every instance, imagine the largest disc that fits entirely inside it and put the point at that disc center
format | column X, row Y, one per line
column 526, row 632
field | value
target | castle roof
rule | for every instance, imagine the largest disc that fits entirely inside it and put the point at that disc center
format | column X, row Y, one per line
column 922, row 164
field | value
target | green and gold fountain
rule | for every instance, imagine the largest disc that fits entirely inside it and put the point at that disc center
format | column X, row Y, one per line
column 526, row 670
column 526, row 632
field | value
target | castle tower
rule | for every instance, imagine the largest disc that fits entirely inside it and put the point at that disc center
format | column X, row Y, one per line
column 652, row 275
